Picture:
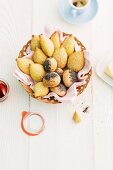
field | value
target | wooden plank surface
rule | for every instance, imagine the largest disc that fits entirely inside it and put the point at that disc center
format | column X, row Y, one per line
column 102, row 42
column 63, row 145
column 15, row 30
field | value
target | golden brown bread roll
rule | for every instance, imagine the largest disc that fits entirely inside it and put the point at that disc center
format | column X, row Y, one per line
column 37, row 72
column 76, row 61
column 51, row 79
column 39, row 57
column 46, row 45
column 55, row 38
column 35, row 42
column 69, row 77
column 40, row 90
column 60, row 90
column 50, row 65
column 61, row 56
column 69, row 44
column 24, row 64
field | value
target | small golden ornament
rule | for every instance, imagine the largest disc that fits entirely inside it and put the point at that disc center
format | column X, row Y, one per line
column 76, row 118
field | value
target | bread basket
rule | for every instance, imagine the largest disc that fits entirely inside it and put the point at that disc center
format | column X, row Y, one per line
column 51, row 100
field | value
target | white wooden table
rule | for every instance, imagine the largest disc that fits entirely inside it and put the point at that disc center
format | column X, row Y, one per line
column 63, row 145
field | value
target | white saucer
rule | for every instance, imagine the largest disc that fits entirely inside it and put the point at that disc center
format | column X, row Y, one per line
column 101, row 67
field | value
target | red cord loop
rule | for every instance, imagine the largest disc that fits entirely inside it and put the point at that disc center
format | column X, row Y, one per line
column 25, row 117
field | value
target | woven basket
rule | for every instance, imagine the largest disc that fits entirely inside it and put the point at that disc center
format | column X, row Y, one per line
column 51, row 100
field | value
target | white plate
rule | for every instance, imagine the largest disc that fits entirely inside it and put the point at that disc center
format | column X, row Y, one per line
column 101, row 67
